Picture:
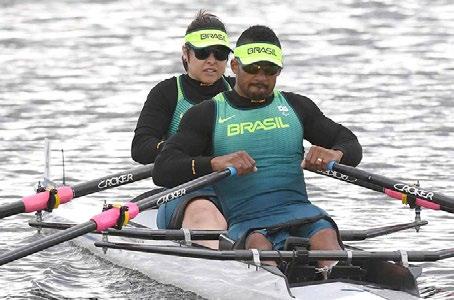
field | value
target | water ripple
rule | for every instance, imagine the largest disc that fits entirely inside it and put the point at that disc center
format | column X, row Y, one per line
column 78, row 72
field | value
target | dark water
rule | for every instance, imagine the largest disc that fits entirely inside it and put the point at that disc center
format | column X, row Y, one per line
column 78, row 72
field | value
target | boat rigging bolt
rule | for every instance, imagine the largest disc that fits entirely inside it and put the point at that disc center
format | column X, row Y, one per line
column 417, row 211
column 39, row 219
column 39, row 213
column 105, row 238
column 105, row 235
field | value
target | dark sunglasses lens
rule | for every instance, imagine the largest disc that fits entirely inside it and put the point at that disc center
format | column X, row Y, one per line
column 270, row 70
column 255, row 68
column 251, row 69
column 201, row 53
column 221, row 54
column 204, row 53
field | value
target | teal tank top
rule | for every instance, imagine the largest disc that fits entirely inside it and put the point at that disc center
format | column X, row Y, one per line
column 183, row 104
column 273, row 137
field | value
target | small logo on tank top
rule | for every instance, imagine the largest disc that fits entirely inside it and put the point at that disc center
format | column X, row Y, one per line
column 283, row 109
column 223, row 120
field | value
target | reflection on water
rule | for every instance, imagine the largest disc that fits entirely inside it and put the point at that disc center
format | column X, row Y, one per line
column 78, row 73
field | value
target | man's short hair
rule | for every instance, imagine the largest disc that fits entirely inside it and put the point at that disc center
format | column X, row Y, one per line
column 258, row 34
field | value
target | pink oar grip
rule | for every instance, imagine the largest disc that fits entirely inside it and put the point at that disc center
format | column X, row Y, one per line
column 419, row 202
column 393, row 194
column 108, row 218
column 36, row 202
column 39, row 201
column 65, row 193
column 427, row 204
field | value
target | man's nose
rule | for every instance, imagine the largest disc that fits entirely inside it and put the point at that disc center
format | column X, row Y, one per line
column 261, row 75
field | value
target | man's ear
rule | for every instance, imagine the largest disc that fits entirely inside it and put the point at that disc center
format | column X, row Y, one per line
column 184, row 53
column 234, row 65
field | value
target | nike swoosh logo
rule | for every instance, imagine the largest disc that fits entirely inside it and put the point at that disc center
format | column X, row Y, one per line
column 221, row 120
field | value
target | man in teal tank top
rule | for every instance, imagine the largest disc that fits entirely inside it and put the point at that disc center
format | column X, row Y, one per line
column 260, row 131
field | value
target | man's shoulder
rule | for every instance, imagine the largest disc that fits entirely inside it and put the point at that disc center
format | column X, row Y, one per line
column 300, row 102
column 295, row 96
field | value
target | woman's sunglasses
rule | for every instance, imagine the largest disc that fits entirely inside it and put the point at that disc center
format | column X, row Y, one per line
column 219, row 52
column 268, row 69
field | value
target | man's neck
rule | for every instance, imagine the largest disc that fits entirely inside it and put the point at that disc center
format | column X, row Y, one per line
column 240, row 92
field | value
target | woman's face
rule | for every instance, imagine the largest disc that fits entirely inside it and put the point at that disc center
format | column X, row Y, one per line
column 206, row 64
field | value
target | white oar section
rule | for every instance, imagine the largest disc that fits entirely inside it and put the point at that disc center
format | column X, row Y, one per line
column 115, row 216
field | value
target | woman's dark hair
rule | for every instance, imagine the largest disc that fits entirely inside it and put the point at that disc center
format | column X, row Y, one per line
column 258, row 34
column 203, row 20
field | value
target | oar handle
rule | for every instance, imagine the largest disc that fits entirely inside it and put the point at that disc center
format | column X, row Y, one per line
column 425, row 198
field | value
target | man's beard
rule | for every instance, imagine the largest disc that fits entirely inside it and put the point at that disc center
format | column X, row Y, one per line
column 262, row 93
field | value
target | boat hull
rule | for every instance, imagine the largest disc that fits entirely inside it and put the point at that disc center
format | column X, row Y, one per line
column 211, row 279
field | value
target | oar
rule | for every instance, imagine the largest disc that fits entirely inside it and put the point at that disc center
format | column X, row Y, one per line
column 64, row 194
column 393, row 194
column 183, row 234
column 396, row 189
column 349, row 179
column 115, row 216
column 144, row 233
column 313, row 255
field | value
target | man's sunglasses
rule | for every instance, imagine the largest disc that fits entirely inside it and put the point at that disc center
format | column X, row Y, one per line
column 268, row 69
column 219, row 52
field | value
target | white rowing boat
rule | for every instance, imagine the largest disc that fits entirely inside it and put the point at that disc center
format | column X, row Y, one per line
column 213, row 279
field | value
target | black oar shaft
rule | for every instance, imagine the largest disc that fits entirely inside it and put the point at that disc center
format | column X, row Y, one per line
column 10, row 209
column 316, row 255
column 39, row 201
column 143, row 233
column 111, row 181
column 352, row 180
column 180, row 234
column 168, row 195
column 47, row 242
column 446, row 202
